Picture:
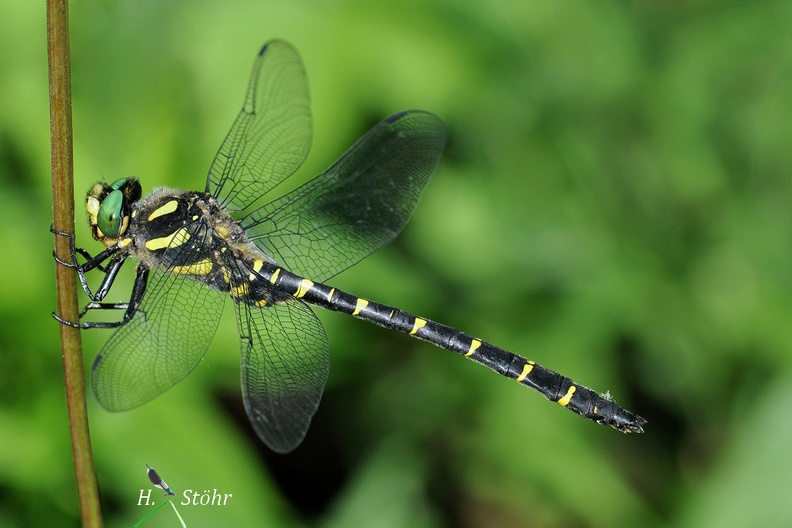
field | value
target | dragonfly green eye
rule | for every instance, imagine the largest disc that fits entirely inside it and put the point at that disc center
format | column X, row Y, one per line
column 111, row 214
column 120, row 183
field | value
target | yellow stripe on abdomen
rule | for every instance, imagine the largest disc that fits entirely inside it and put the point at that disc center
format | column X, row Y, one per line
column 359, row 305
column 257, row 264
column 473, row 347
column 527, row 368
column 417, row 325
column 274, row 277
column 563, row 402
column 303, row 288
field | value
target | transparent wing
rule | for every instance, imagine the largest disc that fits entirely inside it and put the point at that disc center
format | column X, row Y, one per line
column 357, row 205
column 160, row 346
column 272, row 134
column 285, row 364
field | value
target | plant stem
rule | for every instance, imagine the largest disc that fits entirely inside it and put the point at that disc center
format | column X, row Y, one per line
column 63, row 215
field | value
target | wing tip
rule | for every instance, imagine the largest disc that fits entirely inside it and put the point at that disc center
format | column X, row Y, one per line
column 273, row 42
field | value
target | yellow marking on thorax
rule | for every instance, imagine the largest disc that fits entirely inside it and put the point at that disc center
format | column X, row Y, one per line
column 527, row 368
column 419, row 323
column 124, row 243
column 202, row 267
column 563, row 402
column 175, row 239
column 274, row 277
column 221, row 231
column 473, row 347
column 261, row 303
column 163, row 210
column 239, row 291
column 359, row 305
column 303, row 288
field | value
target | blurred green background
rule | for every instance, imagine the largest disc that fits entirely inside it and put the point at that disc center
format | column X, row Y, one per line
column 614, row 203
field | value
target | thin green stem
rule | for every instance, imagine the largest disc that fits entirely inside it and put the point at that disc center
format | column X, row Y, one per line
column 63, row 220
column 184, row 525
column 152, row 512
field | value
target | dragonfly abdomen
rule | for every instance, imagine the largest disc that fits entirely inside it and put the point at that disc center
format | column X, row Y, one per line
column 248, row 285
column 555, row 387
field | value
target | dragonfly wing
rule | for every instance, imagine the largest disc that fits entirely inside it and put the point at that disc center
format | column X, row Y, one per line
column 357, row 205
column 285, row 364
column 271, row 135
column 160, row 346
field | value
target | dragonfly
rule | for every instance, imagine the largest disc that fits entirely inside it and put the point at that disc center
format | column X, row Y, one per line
column 157, row 480
column 272, row 256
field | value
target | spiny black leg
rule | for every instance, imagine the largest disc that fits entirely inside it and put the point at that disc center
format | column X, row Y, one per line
column 92, row 324
column 110, row 273
column 73, row 263
column 92, row 262
column 73, row 250
column 138, row 291
column 103, row 306
column 131, row 307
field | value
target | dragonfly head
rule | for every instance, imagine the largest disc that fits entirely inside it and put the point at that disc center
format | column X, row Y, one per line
column 109, row 208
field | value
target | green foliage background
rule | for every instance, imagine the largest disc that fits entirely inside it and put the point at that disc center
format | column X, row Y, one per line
column 614, row 203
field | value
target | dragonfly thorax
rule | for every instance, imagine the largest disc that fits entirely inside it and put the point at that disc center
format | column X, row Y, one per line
column 190, row 234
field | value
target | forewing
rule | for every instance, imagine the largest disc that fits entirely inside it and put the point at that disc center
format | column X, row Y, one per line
column 285, row 364
column 272, row 134
column 160, row 346
column 356, row 206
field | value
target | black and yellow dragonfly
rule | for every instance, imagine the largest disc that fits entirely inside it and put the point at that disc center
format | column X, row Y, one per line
column 194, row 249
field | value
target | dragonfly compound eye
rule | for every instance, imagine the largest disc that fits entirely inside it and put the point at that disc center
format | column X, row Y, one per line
column 111, row 214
